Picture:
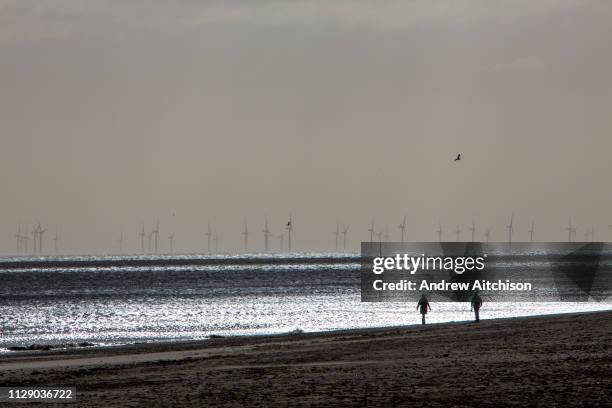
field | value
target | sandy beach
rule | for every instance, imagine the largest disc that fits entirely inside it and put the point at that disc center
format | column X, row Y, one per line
column 563, row 360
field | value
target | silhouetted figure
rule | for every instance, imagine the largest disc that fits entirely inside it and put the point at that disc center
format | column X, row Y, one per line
column 476, row 302
column 458, row 157
column 423, row 307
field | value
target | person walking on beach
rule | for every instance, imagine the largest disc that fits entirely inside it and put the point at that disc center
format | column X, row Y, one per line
column 423, row 306
column 476, row 302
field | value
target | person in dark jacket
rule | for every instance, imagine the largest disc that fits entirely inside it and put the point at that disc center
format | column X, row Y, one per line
column 476, row 302
column 423, row 306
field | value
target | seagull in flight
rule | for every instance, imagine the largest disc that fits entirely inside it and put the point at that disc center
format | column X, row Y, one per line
column 458, row 157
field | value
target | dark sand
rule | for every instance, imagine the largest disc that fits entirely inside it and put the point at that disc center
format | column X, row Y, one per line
column 555, row 361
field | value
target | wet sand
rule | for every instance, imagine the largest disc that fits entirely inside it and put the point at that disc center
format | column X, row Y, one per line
column 547, row 361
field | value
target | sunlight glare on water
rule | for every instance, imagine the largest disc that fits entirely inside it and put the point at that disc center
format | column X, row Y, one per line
column 115, row 305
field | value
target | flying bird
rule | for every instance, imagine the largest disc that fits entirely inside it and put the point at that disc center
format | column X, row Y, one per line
column 458, row 157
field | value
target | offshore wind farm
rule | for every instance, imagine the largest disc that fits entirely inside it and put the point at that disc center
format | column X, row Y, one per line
column 147, row 241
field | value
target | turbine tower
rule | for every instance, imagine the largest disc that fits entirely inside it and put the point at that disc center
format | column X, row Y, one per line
column 142, row 238
column 344, row 232
column 439, row 232
column 487, row 235
column 19, row 238
column 570, row 231
column 171, row 239
column 121, row 243
column 149, row 237
column 246, row 236
column 473, row 229
column 155, row 233
column 37, row 234
column 510, row 228
column 386, row 233
column 531, row 231
column 25, row 238
column 371, row 230
column 266, row 233
column 590, row 233
column 216, row 240
column 458, row 233
column 40, row 238
column 34, row 240
column 337, row 234
column 289, row 228
column 402, row 228
column 55, row 239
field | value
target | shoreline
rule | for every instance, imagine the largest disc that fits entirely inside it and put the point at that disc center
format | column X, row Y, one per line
column 563, row 360
column 40, row 351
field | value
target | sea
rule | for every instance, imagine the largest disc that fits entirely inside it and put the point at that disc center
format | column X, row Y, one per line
column 113, row 300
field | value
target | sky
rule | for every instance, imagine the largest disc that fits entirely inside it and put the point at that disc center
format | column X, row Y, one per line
column 114, row 113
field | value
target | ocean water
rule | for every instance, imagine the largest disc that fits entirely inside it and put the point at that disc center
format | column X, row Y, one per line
column 110, row 300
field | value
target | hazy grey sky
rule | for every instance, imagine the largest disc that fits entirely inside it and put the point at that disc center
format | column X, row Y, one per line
column 117, row 112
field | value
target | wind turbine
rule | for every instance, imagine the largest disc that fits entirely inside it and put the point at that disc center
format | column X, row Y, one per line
column 40, row 238
column 209, row 235
column 386, row 233
column 246, row 236
column 121, row 243
column 458, row 233
column 34, row 240
column 25, row 238
column 155, row 233
column 487, row 234
column 510, row 228
column 439, row 232
column 149, row 237
column 142, row 238
column 590, row 233
column 37, row 234
column 531, row 231
column 570, row 230
column 336, row 234
column 344, row 232
column 473, row 229
column 55, row 239
column 379, row 235
column 371, row 230
column 402, row 228
column 289, row 228
column 216, row 239
column 266, row 233
column 19, row 238
column 171, row 239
